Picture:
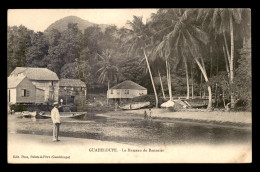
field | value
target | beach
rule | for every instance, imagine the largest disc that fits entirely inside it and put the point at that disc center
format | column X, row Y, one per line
column 125, row 137
column 25, row 148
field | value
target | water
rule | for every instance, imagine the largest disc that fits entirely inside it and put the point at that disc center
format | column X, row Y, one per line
column 134, row 130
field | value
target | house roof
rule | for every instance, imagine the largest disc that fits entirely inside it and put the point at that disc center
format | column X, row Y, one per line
column 36, row 73
column 71, row 83
column 128, row 85
column 14, row 81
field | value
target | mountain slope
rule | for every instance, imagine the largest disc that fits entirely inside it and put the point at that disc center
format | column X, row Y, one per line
column 62, row 24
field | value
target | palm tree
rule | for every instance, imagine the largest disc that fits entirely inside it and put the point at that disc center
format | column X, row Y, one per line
column 222, row 21
column 161, row 85
column 185, row 41
column 187, row 76
column 108, row 71
column 138, row 42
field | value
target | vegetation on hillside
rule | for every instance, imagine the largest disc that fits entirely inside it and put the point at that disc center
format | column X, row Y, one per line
column 184, row 52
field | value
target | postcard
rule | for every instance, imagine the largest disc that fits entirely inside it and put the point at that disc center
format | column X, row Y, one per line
column 161, row 85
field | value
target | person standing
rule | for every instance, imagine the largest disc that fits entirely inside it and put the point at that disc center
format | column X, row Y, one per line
column 55, row 116
column 116, row 106
column 150, row 111
column 145, row 115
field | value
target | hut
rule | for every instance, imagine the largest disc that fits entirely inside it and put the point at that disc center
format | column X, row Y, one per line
column 21, row 90
column 126, row 90
column 43, row 79
column 71, row 90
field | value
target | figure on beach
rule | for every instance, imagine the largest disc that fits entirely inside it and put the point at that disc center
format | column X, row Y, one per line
column 55, row 116
column 150, row 111
column 145, row 115
column 116, row 106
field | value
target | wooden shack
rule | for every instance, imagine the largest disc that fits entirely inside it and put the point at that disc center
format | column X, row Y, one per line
column 126, row 90
column 43, row 79
column 21, row 90
column 71, row 90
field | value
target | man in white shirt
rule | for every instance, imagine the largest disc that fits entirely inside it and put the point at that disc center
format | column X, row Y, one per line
column 55, row 116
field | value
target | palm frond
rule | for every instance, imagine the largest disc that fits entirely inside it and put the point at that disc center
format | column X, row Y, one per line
column 237, row 15
column 199, row 34
column 192, row 44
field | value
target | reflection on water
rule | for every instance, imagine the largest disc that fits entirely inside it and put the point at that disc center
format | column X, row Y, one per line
column 132, row 130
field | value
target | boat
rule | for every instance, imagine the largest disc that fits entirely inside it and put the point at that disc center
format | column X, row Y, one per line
column 29, row 114
column 133, row 106
column 168, row 104
column 63, row 114
column 197, row 103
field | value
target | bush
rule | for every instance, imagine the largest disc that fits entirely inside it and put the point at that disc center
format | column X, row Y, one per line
column 31, row 108
column 18, row 107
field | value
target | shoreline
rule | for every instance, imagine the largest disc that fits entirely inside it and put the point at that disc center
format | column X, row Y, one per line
column 203, row 117
column 237, row 119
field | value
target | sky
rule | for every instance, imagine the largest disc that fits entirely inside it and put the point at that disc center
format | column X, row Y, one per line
column 40, row 19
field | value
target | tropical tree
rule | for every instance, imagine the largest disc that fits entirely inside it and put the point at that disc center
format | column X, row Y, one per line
column 18, row 41
column 138, row 41
column 222, row 21
column 107, row 71
column 37, row 51
column 185, row 40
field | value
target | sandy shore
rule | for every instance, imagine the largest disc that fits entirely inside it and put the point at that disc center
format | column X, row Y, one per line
column 25, row 148
column 202, row 116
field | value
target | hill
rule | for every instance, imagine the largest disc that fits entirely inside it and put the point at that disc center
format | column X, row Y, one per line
column 62, row 24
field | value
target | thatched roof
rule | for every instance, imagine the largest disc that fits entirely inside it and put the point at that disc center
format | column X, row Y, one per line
column 128, row 85
column 71, row 83
column 14, row 81
column 36, row 73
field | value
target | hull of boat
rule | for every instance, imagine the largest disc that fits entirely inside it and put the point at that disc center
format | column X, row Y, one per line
column 65, row 115
column 135, row 106
column 29, row 114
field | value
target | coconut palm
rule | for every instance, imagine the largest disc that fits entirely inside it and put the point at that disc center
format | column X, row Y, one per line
column 222, row 21
column 138, row 42
column 185, row 40
column 108, row 71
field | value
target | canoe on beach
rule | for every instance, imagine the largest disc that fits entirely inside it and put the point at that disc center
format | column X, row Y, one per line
column 28, row 114
column 64, row 114
column 137, row 105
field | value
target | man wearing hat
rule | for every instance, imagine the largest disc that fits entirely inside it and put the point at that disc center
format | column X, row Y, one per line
column 55, row 116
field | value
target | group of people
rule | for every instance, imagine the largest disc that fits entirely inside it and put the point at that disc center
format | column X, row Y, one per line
column 146, row 116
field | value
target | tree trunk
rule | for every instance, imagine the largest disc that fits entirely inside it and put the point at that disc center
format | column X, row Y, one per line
column 223, row 97
column 216, row 88
column 187, row 78
column 161, row 85
column 227, row 50
column 107, row 91
column 154, row 89
column 201, row 85
column 169, row 79
column 211, row 63
column 206, row 79
column 232, row 61
column 192, row 90
column 216, row 97
column 227, row 64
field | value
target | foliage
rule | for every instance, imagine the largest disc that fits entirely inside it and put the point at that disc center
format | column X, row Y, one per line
column 97, row 55
column 243, row 79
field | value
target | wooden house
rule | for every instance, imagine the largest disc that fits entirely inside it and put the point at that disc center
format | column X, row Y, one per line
column 43, row 79
column 126, row 90
column 21, row 90
column 72, row 89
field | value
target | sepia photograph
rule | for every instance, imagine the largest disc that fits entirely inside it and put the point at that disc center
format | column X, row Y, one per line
column 129, row 85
